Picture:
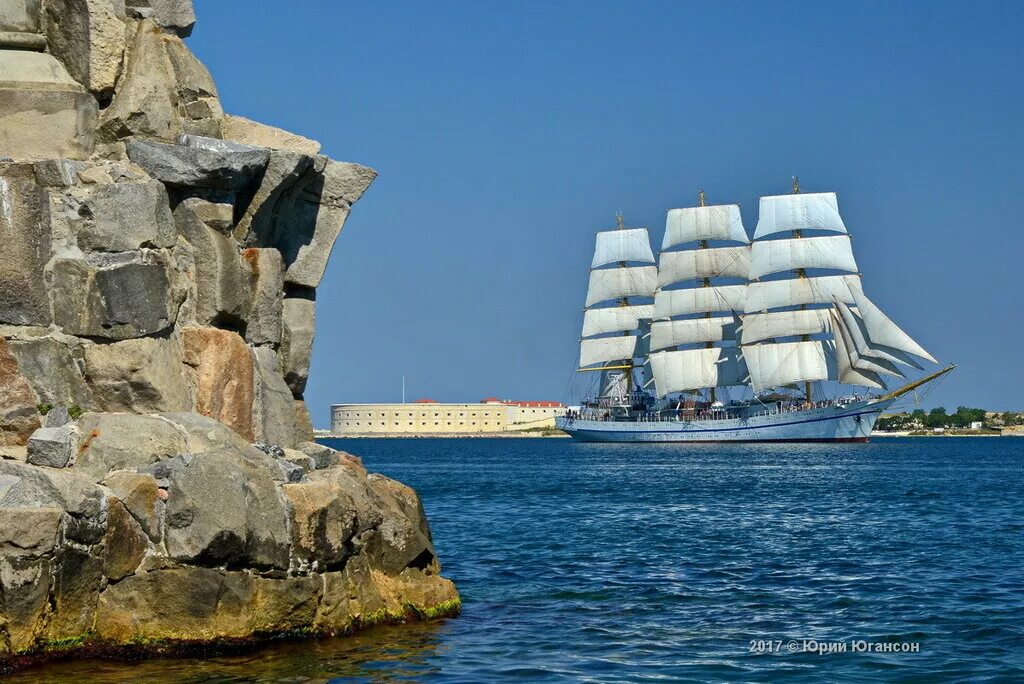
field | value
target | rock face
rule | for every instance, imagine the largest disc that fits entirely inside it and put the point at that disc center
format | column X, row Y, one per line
column 172, row 529
column 157, row 308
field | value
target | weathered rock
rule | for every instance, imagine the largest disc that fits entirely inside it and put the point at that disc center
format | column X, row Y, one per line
column 53, row 447
column 324, row 521
column 296, row 457
column 306, row 251
column 223, row 281
column 59, row 173
column 111, row 442
column 19, row 417
column 126, row 216
column 44, row 112
column 55, row 370
column 243, row 130
column 24, row 224
column 141, row 497
column 138, row 376
column 299, row 326
column 303, row 423
column 222, row 508
column 223, row 377
column 141, row 519
column 146, row 100
column 124, row 543
column 87, row 36
column 116, row 297
column 56, row 417
column 272, row 210
column 202, row 167
column 65, row 488
column 177, row 16
column 29, row 532
column 323, row 457
column 273, row 410
column 203, row 433
column 218, row 216
column 78, row 576
column 403, row 539
column 19, row 16
column 263, row 320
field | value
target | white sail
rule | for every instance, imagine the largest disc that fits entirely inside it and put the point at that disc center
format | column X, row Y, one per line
column 768, row 325
column 675, row 267
column 604, row 349
column 668, row 303
column 858, row 335
column 689, row 369
column 784, row 213
column 773, row 256
column 848, row 372
column 613, row 283
column 690, row 224
column 881, row 330
column 614, row 318
column 691, row 331
column 627, row 244
column 785, row 363
column 772, row 294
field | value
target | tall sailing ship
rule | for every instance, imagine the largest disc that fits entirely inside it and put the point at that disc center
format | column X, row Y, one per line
column 733, row 339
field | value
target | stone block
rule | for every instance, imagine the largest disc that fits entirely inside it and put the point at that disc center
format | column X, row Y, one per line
column 19, row 15
column 249, row 132
column 29, row 532
column 199, row 167
column 263, row 321
column 141, row 497
column 54, row 369
column 53, row 447
column 126, row 216
column 88, row 37
column 306, row 251
column 18, row 415
column 223, row 281
column 222, row 377
column 299, row 319
column 114, row 297
column 56, row 417
column 273, row 408
column 44, row 113
column 112, row 442
column 176, row 16
column 25, row 226
column 138, row 376
column 146, row 100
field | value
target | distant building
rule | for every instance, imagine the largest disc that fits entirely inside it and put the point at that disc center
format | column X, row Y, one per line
column 426, row 416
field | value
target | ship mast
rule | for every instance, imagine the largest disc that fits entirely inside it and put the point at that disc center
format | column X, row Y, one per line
column 610, row 340
column 706, row 283
column 801, row 273
column 694, row 331
column 624, row 302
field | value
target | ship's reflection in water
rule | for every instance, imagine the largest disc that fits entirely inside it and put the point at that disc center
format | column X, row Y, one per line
column 380, row 654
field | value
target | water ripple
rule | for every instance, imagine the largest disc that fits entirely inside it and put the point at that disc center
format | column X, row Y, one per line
column 608, row 563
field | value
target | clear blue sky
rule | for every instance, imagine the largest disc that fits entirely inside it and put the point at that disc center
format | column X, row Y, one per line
column 505, row 134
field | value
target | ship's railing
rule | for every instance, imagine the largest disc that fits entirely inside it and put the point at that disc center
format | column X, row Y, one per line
column 685, row 415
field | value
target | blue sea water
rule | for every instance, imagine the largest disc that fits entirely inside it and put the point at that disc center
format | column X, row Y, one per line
column 612, row 563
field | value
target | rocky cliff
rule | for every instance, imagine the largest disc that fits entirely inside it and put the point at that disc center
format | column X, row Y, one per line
column 158, row 273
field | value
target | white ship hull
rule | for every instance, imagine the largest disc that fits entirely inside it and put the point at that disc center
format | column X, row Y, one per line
column 849, row 423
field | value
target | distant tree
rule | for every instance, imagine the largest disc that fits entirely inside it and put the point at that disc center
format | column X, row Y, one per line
column 936, row 418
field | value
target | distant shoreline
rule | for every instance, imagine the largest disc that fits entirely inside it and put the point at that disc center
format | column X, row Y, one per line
column 446, row 435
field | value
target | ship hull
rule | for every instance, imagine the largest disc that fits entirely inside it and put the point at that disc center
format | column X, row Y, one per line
column 850, row 423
